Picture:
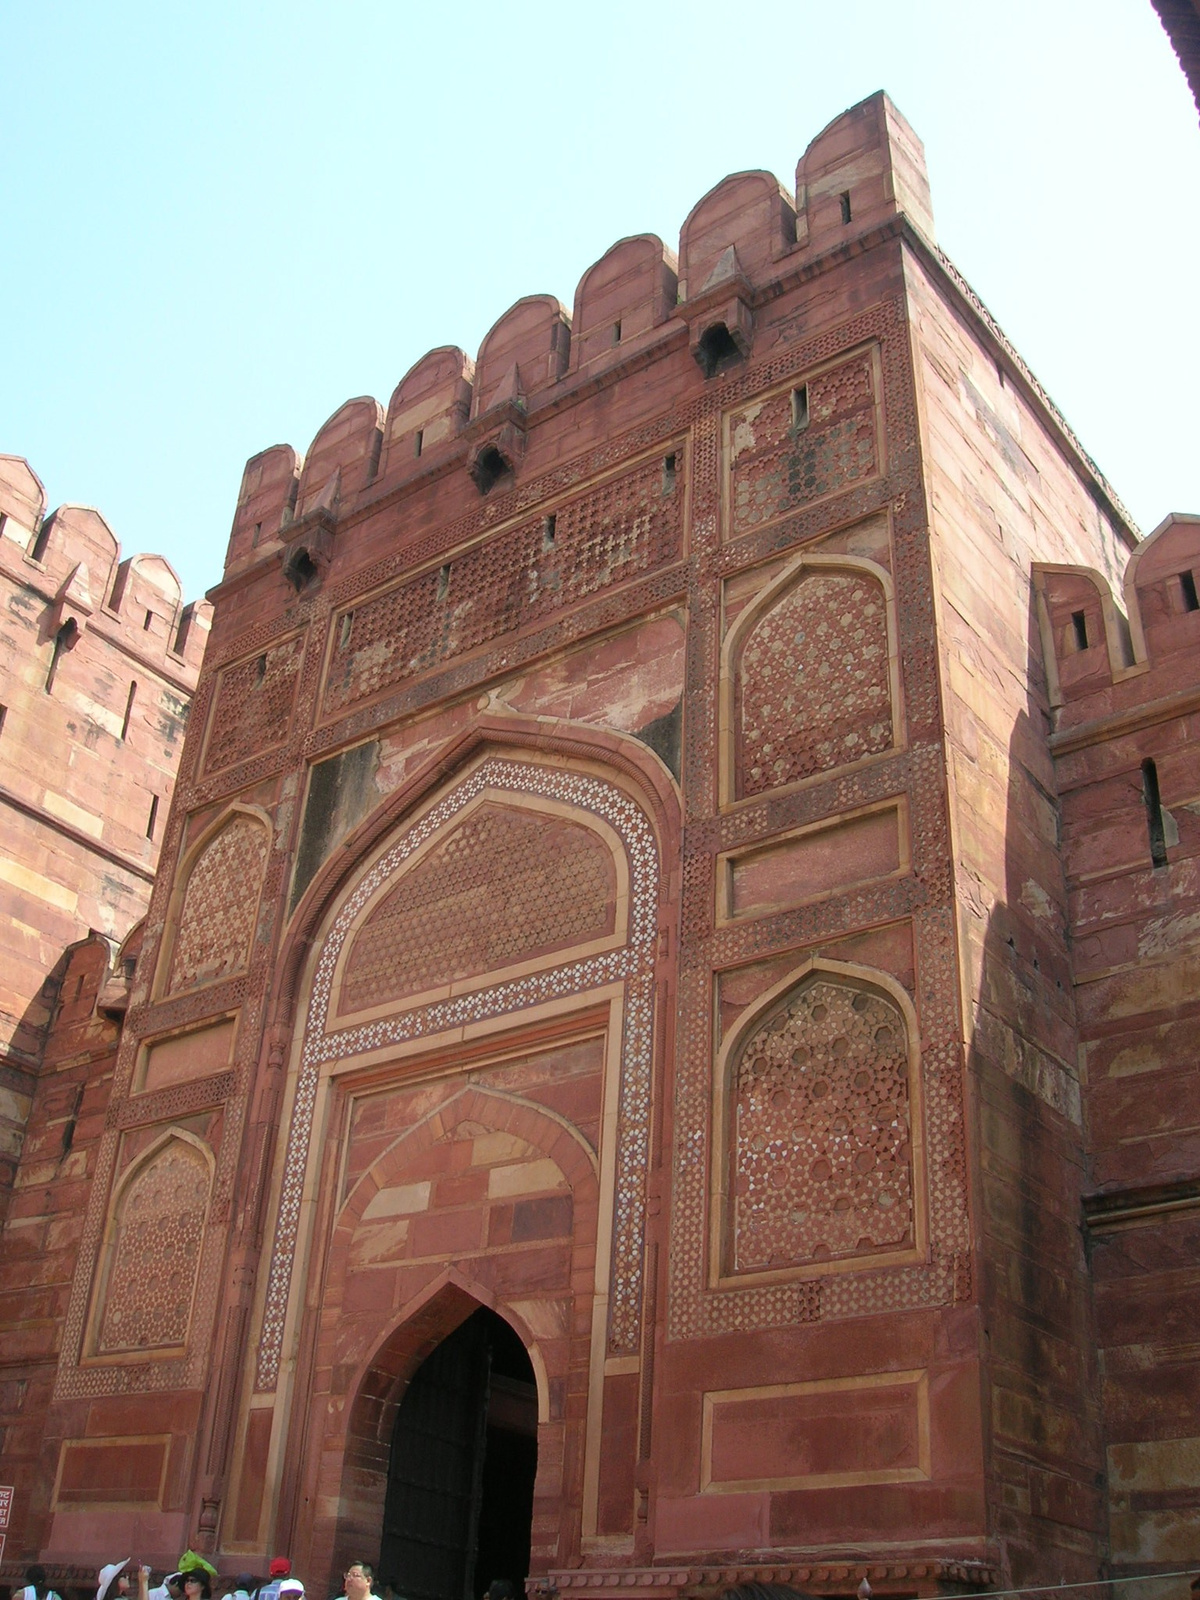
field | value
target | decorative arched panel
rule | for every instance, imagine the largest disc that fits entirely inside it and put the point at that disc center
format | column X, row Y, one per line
column 822, row 1137
column 503, row 885
column 155, row 1236
column 216, row 911
column 812, row 673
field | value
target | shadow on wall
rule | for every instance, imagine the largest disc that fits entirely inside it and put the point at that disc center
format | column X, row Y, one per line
column 1045, row 1483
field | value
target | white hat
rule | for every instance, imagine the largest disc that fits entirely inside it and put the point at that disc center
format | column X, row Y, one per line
column 290, row 1586
column 107, row 1574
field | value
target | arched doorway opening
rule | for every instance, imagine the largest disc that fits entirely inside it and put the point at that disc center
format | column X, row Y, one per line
column 459, row 1503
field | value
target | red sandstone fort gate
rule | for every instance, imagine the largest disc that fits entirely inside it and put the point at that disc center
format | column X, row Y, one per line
column 625, row 926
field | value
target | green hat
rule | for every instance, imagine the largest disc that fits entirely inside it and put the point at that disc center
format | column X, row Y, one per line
column 189, row 1561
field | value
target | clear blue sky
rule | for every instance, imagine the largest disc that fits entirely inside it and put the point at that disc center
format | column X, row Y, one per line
column 222, row 221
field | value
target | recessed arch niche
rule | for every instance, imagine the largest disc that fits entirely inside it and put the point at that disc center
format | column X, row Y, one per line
column 151, row 1257
column 215, row 902
column 819, row 1163
column 809, row 677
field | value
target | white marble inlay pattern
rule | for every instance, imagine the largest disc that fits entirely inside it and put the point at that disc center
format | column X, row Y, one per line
column 633, row 963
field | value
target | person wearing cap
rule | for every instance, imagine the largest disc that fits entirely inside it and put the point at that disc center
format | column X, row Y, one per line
column 291, row 1589
column 279, row 1569
column 171, row 1588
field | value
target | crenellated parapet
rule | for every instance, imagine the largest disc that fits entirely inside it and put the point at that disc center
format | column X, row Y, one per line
column 739, row 248
column 71, row 558
column 1109, row 654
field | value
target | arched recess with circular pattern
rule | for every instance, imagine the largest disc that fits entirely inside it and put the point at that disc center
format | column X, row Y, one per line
column 214, row 904
column 819, row 1148
column 146, row 1285
column 809, row 676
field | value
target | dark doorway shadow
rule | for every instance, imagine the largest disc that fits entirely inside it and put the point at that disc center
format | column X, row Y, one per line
column 459, row 1504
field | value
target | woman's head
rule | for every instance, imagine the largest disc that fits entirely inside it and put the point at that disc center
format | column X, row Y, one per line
column 196, row 1585
column 113, row 1581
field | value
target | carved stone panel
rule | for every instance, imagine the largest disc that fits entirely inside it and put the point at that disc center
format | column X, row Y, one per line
column 812, row 681
column 253, row 703
column 820, row 1131
column 155, row 1250
column 216, row 917
column 618, row 530
column 803, row 443
column 505, row 886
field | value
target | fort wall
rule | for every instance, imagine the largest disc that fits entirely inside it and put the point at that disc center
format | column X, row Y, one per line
column 98, row 659
column 615, row 879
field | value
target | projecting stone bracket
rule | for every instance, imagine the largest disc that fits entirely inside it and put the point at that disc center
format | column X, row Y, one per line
column 497, row 446
column 73, row 604
column 719, row 319
column 308, row 549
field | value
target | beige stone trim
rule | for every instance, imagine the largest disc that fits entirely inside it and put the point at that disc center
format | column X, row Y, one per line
column 917, row 1379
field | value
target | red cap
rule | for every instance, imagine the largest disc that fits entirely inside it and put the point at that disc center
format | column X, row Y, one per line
column 280, row 1567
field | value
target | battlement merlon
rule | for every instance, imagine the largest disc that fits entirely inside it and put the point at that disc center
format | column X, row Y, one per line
column 1107, row 656
column 71, row 558
column 860, row 180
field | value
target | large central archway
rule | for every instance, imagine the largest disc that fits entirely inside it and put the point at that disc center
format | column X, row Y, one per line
column 459, row 1504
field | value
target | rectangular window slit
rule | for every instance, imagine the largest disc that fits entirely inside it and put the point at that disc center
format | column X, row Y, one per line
column 128, row 709
column 800, row 408
column 147, row 621
column 419, row 441
column 549, row 531
column 616, row 332
column 668, row 483
column 844, row 197
column 1079, row 623
column 443, row 582
column 260, row 672
column 3, row 715
column 1187, row 583
column 257, row 534
column 345, row 629
column 152, row 819
column 1154, row 815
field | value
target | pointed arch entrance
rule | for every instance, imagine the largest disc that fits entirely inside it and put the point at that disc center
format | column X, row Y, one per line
column 470, row 1108
column 459, row 1505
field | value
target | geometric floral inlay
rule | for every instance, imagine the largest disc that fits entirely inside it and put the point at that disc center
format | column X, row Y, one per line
column 617, row 530
column 822, row 1159
column 252, row 707
column 217, row 916
column 156, row 1252
column 505, row 885
column 778, row 463
column 812, row 681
